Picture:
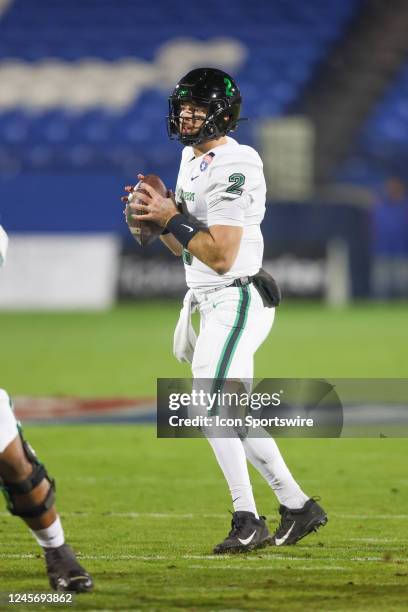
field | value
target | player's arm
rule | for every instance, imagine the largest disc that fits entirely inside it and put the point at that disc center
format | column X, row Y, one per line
column 218, row 247
column 172, row 243
column 226, row 199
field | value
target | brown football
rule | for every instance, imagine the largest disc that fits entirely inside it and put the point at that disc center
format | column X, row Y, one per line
column 146, row 231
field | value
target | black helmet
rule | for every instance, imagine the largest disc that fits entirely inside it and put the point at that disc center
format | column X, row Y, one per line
column 213, row 89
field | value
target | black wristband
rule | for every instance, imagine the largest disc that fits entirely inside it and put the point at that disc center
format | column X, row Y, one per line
column 182, row 228
column 165, row 231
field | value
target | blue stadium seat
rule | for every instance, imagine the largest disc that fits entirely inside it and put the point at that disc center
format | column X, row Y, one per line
column 285, row 40
column 383, row 139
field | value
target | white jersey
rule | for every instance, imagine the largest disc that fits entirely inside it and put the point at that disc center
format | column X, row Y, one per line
column 224, row 186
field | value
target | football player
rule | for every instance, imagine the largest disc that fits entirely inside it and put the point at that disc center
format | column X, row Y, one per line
column 29, row 493
column 214, row 224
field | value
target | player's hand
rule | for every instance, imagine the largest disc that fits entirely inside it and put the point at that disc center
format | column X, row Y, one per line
column 155, row 208
column 130, row 189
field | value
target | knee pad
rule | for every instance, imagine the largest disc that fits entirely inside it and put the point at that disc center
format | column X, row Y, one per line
column 10, row 490
column 8, row 423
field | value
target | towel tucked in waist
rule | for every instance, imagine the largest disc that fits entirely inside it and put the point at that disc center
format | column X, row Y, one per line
column 184, row 335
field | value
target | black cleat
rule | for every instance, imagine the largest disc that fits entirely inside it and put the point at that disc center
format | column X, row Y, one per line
column 64, row 571
column 247, row 533
column 296, row 524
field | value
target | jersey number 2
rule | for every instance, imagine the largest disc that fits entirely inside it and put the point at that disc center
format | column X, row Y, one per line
column 237, row 179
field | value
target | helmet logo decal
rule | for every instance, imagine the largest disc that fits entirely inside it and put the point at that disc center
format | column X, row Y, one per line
column 228, row 86
column 183, row 92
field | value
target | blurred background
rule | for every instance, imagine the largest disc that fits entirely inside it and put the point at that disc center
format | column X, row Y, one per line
column 83, row 100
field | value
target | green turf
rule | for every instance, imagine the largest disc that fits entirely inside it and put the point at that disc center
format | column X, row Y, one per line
column 160, row 557
column 124, row 350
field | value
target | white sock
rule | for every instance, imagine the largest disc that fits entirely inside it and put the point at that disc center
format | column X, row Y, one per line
column 265, row 456
column 50, row 537
column 231, row 459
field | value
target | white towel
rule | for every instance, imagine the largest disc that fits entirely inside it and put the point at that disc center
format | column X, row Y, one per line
column 3, row 245
column 184, row 335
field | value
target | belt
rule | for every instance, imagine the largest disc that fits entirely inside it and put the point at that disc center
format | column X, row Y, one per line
column 241, row 282
column 238, row 282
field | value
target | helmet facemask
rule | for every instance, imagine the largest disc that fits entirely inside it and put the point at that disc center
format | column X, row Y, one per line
column 212, row 89
column 218, row 121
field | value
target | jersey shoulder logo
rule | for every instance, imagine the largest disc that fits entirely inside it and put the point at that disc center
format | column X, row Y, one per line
column 206, row 161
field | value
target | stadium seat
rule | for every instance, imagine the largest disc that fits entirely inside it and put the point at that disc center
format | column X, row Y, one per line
column 282, row 51
column 383, row 138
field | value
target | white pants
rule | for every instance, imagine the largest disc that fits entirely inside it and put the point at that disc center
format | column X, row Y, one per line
column 234, row 323
column 8, row 423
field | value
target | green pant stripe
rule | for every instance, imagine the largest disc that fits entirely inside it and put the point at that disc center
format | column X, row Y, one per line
column 231, row 342
column 231, row 333
column 241, row 326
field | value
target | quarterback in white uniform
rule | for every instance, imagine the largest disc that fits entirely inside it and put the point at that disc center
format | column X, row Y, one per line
column 29, row 493
column 224, row 187
column 214, row 223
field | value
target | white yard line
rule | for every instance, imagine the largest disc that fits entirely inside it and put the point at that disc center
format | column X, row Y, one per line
column 154, row 515
column 218, row 558
column 365, row 559
column 192, row 515
column 268, row 567
column 378, row 540
column 375, row 517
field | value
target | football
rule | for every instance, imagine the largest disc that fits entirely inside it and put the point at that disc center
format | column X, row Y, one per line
column 145, row 231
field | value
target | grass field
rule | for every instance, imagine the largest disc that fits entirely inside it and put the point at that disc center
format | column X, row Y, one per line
column 144, row 513
column 123, row 351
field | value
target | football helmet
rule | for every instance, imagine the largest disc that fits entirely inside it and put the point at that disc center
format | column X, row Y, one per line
column 217, row 92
